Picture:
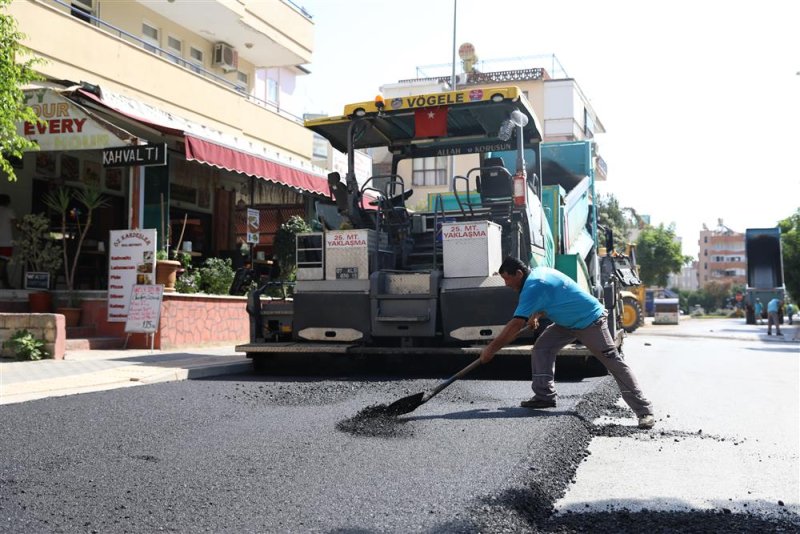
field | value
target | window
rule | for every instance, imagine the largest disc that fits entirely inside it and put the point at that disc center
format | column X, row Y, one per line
column 241, row 81
column 272, row 90
column 175, row 47
column 196, row 57
column 588, row 124
column 150, row 37
column 82, row 9
column 430, row 171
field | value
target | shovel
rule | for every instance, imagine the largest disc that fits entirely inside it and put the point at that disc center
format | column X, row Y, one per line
column 412, row 402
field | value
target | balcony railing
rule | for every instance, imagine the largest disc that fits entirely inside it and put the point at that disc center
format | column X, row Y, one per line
column 300, row 9
column 478, row 78
column 177, row 60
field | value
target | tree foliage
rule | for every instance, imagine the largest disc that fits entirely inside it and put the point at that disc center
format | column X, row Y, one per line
column 717, row 294
column 790, row 241
column 13, row 76
column 658, row 253
column 610, row 215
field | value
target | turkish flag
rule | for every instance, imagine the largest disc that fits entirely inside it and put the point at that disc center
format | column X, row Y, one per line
column 430, row 122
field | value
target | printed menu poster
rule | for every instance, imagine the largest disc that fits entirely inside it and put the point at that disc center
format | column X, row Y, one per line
column 131, row 261
column 253, row 217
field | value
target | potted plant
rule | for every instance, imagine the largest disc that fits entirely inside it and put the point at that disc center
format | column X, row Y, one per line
column 37, row 252
column 61, row 201
column 284, row 249
column 166, row 271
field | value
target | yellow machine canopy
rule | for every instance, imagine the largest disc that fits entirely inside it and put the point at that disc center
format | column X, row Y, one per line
column 467, row 121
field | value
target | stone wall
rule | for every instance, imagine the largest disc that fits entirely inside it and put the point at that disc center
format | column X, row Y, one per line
column 186, row 321
column 49, row 327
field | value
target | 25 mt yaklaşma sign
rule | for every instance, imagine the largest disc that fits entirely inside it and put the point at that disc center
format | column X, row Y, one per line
column 141, row 155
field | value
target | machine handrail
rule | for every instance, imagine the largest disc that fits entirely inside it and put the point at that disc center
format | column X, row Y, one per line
column 458, row 198
column 438, row 206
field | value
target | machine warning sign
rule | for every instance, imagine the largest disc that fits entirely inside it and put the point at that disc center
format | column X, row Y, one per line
column 345, row 239
column 464, row 231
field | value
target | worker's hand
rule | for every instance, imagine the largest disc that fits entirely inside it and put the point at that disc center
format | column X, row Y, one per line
column 533, row 321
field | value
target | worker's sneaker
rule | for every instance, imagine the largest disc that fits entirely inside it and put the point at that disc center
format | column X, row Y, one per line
column 533, row 402
column 647, row 421
column 779, row 334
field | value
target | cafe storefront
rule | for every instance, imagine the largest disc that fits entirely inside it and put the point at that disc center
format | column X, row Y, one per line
column 197, row 200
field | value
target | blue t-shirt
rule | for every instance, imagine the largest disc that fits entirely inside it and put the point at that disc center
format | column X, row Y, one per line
column 565, row 303
column 772, row 306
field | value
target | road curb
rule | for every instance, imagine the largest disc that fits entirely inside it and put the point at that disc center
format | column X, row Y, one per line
column 118, row 377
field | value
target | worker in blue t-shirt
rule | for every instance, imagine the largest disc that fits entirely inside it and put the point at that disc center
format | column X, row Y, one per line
column 773, row 316
column 575, row 315
column 759, row 309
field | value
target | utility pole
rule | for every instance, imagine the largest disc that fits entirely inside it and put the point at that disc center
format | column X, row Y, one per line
column 453, row 81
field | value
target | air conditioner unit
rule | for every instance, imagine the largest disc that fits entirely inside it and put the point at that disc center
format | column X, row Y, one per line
column 226, row 57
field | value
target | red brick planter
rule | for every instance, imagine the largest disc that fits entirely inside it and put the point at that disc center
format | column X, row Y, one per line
column 186, row 321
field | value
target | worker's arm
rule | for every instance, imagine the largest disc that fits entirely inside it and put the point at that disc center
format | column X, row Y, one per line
column 509, row 333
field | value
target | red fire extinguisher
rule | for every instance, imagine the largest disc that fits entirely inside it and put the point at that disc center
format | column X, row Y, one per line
column 519, row 190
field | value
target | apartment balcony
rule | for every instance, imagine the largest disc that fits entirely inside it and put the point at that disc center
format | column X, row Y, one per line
column 107, row 51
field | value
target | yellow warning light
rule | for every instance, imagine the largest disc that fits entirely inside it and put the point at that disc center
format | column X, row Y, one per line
column 379, row 103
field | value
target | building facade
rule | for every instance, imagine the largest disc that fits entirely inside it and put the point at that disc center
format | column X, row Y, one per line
column 686, row 280
column 214, row 89
column 721, row 256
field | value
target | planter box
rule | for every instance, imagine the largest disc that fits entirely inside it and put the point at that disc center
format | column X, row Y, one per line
column 186, row 321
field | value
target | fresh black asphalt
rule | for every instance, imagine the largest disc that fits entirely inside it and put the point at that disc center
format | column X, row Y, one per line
column 274, row 453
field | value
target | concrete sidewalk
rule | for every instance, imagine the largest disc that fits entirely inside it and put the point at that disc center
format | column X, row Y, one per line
column 723, row 328
column 84, row 371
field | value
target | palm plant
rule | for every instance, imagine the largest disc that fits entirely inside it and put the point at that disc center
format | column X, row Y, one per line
column 59, row 200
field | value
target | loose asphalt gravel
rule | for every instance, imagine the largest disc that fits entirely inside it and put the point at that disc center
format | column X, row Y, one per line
column 288, row 454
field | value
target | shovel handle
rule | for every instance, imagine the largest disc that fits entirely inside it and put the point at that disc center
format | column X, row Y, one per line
column 462, row 372
column 452, row 379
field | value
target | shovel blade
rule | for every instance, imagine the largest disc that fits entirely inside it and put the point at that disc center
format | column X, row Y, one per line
column 405, row 405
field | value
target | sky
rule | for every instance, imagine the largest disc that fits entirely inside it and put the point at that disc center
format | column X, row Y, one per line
column 700, row 99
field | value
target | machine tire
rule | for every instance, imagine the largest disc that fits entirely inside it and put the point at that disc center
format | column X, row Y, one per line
column 632, row 315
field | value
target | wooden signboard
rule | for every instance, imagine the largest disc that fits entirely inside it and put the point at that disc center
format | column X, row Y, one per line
column 144, row 310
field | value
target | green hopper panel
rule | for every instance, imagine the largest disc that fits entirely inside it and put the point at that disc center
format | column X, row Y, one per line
column 573, row 266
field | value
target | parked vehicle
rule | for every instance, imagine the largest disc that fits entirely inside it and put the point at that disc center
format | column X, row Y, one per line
column 633, row 297
column 383, row 278
column 666, row 311
column 764, row 268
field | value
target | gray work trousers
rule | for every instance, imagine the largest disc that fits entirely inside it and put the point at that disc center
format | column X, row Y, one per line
column 597, row 338
column 772, row 318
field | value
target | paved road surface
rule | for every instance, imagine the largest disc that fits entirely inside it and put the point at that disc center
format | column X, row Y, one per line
column 248, row 453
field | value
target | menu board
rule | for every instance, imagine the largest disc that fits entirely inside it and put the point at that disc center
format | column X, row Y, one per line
column 131, row 262
column 253, row 224
column 144, row 311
